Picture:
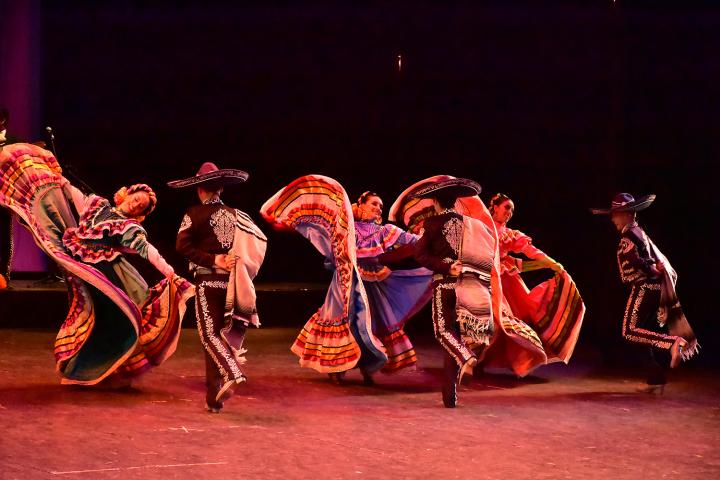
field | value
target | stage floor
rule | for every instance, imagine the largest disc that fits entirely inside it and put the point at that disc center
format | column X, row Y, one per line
column 286, row 422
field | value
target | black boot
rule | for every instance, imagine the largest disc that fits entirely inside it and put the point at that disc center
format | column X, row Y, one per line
column 228, row 389
column 211, row 404
column 451, row 370
column 213, row 384
column 368, row 379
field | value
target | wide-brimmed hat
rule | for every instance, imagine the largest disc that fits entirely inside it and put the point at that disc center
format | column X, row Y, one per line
column 450, row 188
column 210, row 176
column 624, row 202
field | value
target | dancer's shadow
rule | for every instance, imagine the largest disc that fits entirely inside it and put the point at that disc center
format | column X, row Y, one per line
column 385, row 384
column 34, row 395
column 504, row 381
column 102, row 394
column 488, row 380
column 625, row 400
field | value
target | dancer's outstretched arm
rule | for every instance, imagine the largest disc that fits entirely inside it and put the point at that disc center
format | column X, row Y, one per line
column 159, row 262
column 136, row 239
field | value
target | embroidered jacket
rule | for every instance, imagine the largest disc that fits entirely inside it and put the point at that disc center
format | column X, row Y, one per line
column 206, row 230
column 440, row 243
column 635, row 257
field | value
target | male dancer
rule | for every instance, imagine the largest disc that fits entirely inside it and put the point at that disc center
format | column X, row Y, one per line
column 461, row 251
column 225, row 249
column 653, row 303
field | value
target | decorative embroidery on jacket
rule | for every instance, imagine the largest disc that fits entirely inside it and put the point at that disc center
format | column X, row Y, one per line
column 453, row 230
column 223, row 223
column 186, row 223
column 625, row 245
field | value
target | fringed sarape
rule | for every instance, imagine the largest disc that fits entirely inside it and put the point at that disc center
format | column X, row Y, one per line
column 531, row 328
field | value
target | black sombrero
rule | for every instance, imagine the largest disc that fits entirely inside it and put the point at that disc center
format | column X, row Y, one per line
column 209, row 175
column 452, row 187
column 624, row 202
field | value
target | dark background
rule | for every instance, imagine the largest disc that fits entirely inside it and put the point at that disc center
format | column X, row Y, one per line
column 557, row 104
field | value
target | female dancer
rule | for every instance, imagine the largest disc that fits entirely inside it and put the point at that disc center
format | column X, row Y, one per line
column 532, row 327
column 116, row 326
column 361, row 322
column 553, row 309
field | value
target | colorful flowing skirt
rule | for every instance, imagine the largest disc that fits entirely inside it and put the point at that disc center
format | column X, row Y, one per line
column 339, row 335
column 105, row 331
column 393, row 301
column 361, row 322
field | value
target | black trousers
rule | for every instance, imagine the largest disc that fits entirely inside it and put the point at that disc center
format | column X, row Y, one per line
column 445, row 324
column 220, row 361
column 640, row 327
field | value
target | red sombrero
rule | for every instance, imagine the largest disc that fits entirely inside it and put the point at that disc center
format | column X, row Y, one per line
column 210, row 176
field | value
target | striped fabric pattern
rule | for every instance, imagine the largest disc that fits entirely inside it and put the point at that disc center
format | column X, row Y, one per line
column 559, row 317
column 31, row 179
column 377, row 274
column 246, row 224
column 385, row 237
column 318, row 207
column 326, row 348
column 400, row 351
column 160, row 326
column 23, row 169
column 78, row 322
column 554, row 308
column 361, row 322
column 517, row 327
column 542, row 326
